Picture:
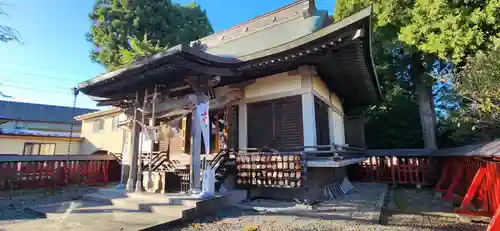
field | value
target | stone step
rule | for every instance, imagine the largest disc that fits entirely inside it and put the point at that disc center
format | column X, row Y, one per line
column 113, row 209
column 89, row 215
column 174, row 204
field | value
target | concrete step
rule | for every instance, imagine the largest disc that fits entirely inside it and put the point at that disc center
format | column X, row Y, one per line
column 112, row 209
column 88, row 215
column 110, row 194
column 169, row 205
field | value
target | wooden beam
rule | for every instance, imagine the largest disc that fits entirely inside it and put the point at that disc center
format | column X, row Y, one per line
column 168, row 105
column 204, row 69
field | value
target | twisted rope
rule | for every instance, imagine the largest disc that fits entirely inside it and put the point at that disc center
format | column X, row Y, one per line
column 66, row 167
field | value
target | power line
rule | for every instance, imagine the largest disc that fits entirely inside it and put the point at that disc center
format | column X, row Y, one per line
column 37, row 84
column 36, row 75
column 34, row 89
column 49, row 69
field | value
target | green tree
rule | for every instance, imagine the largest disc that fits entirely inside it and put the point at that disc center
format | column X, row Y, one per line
column 477, row 86
column 7, row 34
column 138, row 48
column 427, row 32
column 396, row 65
column 119, row 25
column 453, row 29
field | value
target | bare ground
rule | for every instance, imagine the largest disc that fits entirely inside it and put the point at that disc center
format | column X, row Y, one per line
column 13, row 205
column 404, row 209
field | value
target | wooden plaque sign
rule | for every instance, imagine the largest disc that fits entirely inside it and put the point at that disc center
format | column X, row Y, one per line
column 270, row 170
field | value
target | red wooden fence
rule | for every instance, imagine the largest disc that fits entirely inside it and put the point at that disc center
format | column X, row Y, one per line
column 473, row 180
column 392, row 169
column 27, row 172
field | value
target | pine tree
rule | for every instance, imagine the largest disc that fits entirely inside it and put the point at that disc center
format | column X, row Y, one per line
column 120, row 27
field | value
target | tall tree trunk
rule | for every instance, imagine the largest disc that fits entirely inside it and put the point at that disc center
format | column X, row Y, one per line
column 425, row 102
column 433, row 104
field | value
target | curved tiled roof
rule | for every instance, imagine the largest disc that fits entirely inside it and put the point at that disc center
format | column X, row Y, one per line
column 341, row 52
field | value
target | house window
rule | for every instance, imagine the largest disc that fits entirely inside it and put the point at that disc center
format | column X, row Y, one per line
column 98, row 125
column 114, row 123
column 275, row 123
column 39, row 149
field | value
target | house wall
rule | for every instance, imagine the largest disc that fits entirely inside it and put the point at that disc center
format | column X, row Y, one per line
column 107, row 139
column 15, row 144
column 305, row 82
column 271, row 87
column 336, row 111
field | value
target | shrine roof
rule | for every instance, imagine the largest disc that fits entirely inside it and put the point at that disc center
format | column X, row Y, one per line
column 341, row 52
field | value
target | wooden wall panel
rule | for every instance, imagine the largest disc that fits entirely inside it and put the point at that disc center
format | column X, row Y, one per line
column 322, row 122
column 275, row 123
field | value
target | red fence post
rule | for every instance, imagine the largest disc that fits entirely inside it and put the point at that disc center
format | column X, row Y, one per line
column 471, row 192
column 455, row 181
column 22, row 172
column 444, row 175
column 99, row 168
column 105, row 171
column 495, row 221
column 3, row 174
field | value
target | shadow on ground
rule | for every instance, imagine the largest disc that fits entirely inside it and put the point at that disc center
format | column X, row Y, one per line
column 14, row 204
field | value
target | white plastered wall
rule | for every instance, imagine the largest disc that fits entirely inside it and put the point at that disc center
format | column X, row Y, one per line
column 335, row 112
column 303, row 81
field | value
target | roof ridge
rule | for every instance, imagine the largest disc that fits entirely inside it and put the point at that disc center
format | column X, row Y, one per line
column 310, row 3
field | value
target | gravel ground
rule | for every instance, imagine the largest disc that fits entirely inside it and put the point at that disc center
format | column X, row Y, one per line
column 404, row 209
column 13, row 204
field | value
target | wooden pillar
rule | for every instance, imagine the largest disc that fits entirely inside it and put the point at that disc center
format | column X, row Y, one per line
column 355, row 131
column 126, row 154
column 309, row 121
column 196, row 147
column 135, row 135
column 242, row 126
column 138, row 183
column 152, row 124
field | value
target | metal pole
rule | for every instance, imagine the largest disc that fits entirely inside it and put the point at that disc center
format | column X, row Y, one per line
column 138, row 183
column 152, row 144
column 135, row 134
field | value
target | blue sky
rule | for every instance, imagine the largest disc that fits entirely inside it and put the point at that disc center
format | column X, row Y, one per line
column 54, row 54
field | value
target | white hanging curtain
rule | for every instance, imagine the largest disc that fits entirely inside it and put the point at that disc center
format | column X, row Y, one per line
column 202, row 110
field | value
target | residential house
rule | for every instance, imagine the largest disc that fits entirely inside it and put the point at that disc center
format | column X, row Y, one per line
column 38, row 129
column 101, row 133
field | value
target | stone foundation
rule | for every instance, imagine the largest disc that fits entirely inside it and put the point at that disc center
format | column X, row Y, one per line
column 317, row 178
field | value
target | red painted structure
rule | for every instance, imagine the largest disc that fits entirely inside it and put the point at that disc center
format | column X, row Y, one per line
column 393, row 170
column 27, row 172
column 473, row 180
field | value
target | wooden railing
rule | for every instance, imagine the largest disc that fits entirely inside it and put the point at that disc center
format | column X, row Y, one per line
column 26, row 172
column 393, row 170
column 475, row 180
column 469, row 174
